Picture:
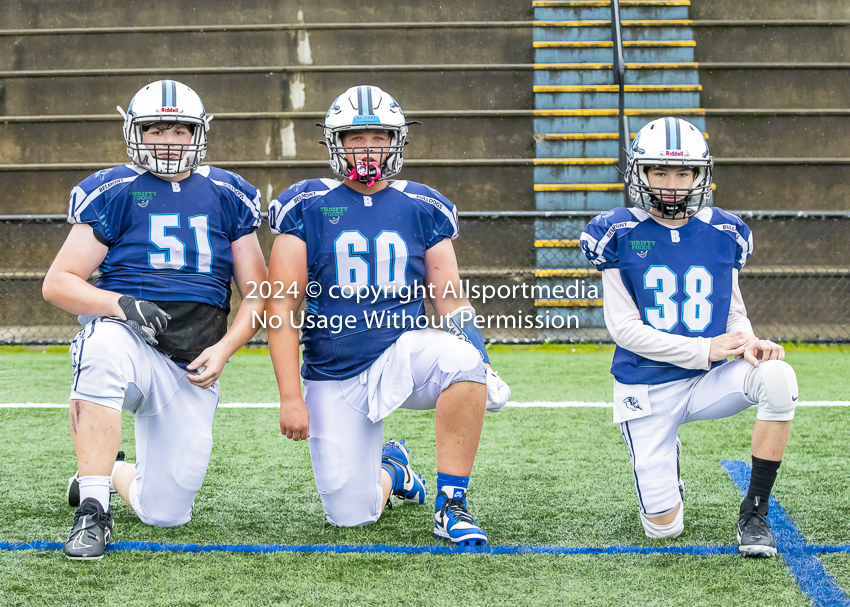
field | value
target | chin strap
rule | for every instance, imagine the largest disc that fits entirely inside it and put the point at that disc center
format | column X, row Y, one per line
column 366, row 173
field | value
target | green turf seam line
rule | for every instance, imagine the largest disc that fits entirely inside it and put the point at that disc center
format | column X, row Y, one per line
column 817, row 583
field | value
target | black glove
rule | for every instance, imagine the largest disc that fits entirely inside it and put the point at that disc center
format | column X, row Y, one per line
column 145, row 318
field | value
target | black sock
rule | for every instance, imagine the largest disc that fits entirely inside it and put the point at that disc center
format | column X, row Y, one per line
column 762, row 478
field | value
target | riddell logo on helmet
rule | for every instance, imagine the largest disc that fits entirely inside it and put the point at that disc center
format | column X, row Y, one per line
column 170, row 110
column 676, row 153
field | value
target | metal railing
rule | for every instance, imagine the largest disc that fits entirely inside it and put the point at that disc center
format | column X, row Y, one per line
column 619, row 67
column 796, row 285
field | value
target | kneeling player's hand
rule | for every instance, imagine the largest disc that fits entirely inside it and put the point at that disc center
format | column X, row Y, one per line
column 294, row 418
column 207, row 367
column 728, row 344
column 763, row 349
column 498, row 392
column 144, row 317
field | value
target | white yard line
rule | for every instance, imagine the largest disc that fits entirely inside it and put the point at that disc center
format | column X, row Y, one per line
column 544, row 404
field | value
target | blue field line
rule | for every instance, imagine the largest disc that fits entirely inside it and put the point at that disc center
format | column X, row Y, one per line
column 813, row 579
column 385, row 549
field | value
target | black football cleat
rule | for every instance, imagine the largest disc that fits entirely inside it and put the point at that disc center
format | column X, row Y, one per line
column 91, row 532
column 74, row 484
column 754, row 537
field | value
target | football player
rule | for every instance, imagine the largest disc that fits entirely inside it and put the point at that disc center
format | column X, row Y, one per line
column 167, row 236
column 362, row 248
column 673, row 306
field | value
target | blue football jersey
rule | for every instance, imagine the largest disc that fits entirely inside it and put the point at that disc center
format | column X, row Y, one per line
column 167, row 241
column 355, row 242
column 680, row 279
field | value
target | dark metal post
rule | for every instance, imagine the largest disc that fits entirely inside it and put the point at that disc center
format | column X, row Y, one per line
column 619, row 65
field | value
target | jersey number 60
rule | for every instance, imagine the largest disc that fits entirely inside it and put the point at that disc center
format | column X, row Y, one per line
column 389, row 259
column 696, row 309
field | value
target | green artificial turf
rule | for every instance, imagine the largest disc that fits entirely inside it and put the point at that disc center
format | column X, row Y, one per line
column 145, row 579
column 542, row 477
column 535, row 373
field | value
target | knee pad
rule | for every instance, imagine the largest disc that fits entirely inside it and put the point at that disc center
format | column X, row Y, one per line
column 457, row 360
column 341, row 512
column 671, row 529
column 773, row 386
column 158, row 514
column 351, row 496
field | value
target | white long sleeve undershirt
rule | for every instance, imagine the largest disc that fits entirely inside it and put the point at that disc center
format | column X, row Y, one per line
column 624, row 323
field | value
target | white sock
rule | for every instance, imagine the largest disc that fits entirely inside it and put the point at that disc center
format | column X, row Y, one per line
column 96, row 487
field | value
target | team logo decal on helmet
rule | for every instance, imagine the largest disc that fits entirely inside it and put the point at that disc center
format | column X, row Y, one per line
column 670, row 142
column 166, row 101
column 365, row 107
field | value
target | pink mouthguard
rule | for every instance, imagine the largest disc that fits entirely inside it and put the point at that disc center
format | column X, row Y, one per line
column 372, row 172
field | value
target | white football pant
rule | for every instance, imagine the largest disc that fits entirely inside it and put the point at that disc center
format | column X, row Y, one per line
column 115, row 368
column 345, row 445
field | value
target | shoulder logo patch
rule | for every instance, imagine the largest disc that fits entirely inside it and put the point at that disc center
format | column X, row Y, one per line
column 602, row 216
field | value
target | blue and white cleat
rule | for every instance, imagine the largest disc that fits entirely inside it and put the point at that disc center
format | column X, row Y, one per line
column 396, row 455
column 454, row 523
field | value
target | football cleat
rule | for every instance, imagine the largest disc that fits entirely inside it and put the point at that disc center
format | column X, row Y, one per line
column 74, row 484
column 453, row 522
column 679, row 468
column 91, row 532
column 396, row 455
column 754, row 537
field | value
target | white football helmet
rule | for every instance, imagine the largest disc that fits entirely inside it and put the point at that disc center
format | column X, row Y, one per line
column 365, row 107
column 166, row 101
column 670, row 142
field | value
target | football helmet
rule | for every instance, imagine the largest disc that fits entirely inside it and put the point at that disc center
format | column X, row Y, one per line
column 365, row 107
column 669, row 142
column 166, row 101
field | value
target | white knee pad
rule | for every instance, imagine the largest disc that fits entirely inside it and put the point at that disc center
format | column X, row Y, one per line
column 773, row 386
column 672, row 529
column 158, row 514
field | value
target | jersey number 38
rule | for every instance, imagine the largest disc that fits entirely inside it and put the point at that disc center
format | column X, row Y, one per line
column 696, row 309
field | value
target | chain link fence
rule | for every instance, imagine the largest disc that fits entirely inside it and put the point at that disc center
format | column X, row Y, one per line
column 526, row 276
